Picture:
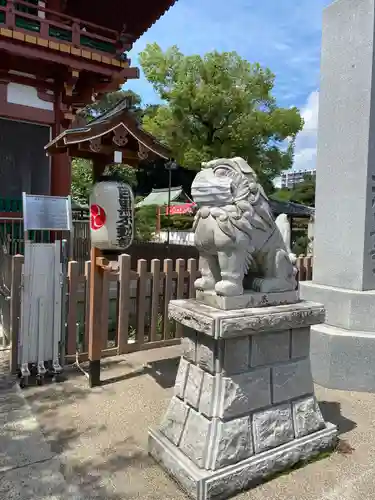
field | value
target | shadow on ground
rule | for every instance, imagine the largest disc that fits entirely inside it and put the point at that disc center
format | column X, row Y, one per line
column 100, row 434
column 94, row 478
column 331, row 412
column 42, row 463
column 163, row 371
column 33, row 464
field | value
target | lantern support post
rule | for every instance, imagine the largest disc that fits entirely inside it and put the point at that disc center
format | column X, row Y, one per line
column 104, row 257
column 95, row 324
column 95, row 295
column 99, row 265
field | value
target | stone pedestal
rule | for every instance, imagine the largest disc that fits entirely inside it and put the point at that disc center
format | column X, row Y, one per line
column 343, row 350
column 243, row 405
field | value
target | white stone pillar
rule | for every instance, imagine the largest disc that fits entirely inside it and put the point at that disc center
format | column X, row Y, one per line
column 343, row 350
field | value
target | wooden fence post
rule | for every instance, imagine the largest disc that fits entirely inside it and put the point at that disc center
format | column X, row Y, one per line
column 105, row 309
column 180, row 269
column 141, row 301
column 73, row 269
column 87, row 303
column 168, row 288
column 123, row 303
column 308, row 267
column 15, row 309
column 155, row 296
column 301, row 268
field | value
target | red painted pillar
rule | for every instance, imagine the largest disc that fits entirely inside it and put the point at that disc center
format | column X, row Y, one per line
column 61, row 175
column 61, row 169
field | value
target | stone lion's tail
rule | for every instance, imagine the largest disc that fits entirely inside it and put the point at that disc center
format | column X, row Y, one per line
column 283, row 226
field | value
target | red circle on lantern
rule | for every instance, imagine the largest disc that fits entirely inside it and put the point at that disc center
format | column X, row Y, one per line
column 97, row 217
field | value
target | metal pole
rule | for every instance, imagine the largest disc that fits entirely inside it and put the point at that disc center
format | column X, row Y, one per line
column 64, row 300
column 170, row 165
column 169, row 202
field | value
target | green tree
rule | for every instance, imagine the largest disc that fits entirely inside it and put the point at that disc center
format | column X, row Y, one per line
column 109, row 100
column 81, row 180
column 219, row 105
column 303, row 192
column 176, row 222
column 82, row 177
column 145, row 222
column 150, row 111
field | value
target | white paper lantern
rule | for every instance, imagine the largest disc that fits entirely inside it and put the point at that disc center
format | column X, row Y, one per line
column 111, row 215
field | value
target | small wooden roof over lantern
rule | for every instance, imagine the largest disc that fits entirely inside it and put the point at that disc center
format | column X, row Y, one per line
column 115, row 131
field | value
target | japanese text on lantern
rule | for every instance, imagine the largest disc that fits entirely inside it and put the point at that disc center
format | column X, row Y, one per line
column 125, row 222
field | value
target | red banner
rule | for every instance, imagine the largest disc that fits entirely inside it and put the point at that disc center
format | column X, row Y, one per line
column 186, row 208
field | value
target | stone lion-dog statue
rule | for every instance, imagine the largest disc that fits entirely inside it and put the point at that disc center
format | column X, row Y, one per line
column 240, row 243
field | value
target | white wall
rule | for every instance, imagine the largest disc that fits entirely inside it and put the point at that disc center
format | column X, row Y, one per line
column 26, row 96
column 177, row 237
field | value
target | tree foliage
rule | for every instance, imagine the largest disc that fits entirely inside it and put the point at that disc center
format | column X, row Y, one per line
column 303, row 192
column 150, row 111
column 109, row 100
column 219, row 105
column 177, row 222
column 145, row 222
column 82, row 178
column 300, row 243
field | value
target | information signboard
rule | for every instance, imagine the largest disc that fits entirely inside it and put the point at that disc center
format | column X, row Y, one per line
column 50, row 213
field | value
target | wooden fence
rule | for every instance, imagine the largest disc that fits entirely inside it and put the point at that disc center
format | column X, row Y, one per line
column 134, row 308
column 134, row 305
column 304, row 266
column 147, row 250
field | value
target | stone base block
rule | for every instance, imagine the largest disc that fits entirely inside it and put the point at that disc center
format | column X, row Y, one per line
column 248, row 299
column 343, row 359
column 349, row 309
column 243, row 406
column 203, row 484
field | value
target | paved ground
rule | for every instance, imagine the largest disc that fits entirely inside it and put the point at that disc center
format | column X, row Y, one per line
column 95, row 441
column 28, row 466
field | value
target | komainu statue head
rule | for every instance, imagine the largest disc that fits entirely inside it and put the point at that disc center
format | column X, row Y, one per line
column 239, row 241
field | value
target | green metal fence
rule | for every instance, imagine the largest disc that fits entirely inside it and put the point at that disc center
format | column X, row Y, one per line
column 11, row 205
column 12, row 231
column 11, row 227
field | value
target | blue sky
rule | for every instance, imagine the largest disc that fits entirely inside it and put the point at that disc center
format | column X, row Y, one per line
column 284, row 35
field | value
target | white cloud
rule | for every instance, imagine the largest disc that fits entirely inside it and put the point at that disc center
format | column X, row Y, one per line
column 305, row 152
column 284, row 36
column 310, row 112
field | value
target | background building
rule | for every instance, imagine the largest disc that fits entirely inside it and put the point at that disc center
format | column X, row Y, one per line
column 292, row 177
